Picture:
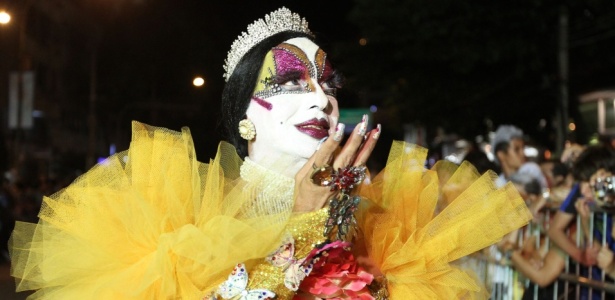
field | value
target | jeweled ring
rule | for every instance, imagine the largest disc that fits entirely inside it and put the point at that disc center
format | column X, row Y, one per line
column 323, row 175
column 343, row 179
column 347, row 178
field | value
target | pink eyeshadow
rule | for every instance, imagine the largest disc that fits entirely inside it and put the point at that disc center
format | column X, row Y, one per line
column 286, row 62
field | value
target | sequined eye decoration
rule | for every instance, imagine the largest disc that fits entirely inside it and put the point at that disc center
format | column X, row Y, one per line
column 270, row 83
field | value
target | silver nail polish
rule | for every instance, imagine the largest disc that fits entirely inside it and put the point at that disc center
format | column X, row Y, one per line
column 339, row 132
column 363, row 126
column 376, row 134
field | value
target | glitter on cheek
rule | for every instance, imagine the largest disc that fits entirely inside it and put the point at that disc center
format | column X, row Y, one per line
column 263, row 103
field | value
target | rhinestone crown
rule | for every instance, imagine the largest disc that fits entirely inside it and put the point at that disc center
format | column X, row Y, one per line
column 278, row 21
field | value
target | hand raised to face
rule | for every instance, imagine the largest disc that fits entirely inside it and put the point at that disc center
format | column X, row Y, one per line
column 354, row 153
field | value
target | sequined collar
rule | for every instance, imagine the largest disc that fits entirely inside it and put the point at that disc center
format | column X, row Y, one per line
column 274, row 190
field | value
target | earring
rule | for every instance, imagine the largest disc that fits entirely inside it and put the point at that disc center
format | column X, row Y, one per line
column 247, row 130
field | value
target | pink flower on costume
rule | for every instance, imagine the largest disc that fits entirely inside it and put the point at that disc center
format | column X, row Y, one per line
column 336, row 274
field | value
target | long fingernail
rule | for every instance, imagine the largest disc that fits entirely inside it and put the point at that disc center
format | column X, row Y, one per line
column 376, row 134
column 339, row 132
column 320, row 142
column 363, row 126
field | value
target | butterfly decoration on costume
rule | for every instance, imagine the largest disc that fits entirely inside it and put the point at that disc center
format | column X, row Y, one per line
column 294, row 270
column 235, row 287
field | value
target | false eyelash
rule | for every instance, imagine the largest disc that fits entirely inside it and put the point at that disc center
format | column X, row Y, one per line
column 287, row 76
column 335, row 80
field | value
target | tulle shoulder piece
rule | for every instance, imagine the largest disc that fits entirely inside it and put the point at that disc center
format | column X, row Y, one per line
column 418, row 221
column 148, row 223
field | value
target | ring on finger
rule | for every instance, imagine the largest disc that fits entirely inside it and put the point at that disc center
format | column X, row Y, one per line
column 322, row 176
column 347, row 178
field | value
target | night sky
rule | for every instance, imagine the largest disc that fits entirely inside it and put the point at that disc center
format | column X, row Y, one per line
column 458, row 67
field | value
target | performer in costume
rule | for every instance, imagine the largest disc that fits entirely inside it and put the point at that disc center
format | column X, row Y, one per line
column 284, row 211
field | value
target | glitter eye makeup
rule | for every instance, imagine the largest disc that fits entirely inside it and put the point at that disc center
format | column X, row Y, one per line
column 320, row 60
column 293, row 69
column 328, row 78
column 291, row 80
column 288, row 70
column 291, row 57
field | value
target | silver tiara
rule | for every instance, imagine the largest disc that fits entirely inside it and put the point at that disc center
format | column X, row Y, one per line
column 278, row 21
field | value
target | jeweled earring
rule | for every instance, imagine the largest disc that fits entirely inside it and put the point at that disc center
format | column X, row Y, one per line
column 247, row 130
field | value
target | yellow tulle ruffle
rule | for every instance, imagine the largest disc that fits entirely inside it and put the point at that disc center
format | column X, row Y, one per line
column 154, row 223
column 148, row 223
column 420, row 221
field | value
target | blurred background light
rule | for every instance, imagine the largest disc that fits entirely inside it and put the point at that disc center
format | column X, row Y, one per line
column 530, row 152
column 198, row 81
column 5, row 18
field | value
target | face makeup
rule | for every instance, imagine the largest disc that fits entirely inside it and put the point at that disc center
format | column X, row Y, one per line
column 293, row 106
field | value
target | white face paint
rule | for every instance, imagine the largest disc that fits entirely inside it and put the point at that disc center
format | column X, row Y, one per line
column 293, row 106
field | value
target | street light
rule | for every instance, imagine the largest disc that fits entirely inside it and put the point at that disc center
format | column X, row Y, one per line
column 5, row 18
column 198, row 81
column 20, row 11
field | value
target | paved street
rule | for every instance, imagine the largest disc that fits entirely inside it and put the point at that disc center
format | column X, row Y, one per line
column 7, row 285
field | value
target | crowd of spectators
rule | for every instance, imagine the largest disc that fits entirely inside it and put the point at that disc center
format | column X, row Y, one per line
column 578, row 184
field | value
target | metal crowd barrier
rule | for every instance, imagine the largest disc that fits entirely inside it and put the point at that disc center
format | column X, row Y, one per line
column 503, row 282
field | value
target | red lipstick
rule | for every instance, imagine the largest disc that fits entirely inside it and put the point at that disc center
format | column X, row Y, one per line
column 316, row 128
